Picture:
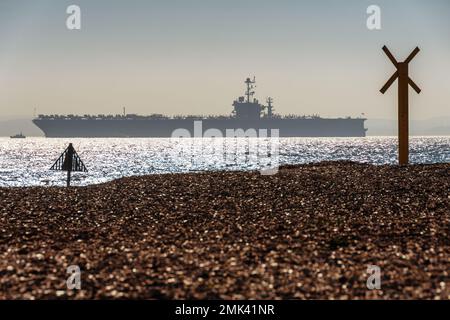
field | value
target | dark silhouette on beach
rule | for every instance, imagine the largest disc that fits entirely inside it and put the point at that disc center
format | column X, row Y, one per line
column 69, row 161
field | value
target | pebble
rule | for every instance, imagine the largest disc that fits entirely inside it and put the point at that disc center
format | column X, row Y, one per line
column 308, row 232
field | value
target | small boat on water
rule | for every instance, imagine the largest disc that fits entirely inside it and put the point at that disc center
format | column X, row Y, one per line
column 18, row 136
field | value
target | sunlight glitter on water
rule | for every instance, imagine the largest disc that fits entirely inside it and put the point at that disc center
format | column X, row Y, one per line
column 26, row 162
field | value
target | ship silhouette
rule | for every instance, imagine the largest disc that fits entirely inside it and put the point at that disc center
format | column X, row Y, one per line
column 18, row 136
column 248, row 114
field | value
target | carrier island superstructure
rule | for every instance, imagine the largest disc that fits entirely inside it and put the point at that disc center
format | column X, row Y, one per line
column 248, row 113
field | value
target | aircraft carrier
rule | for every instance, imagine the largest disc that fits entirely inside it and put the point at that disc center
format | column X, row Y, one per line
column 248, row 115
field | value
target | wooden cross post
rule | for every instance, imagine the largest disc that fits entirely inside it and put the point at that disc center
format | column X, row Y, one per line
column 404, row 82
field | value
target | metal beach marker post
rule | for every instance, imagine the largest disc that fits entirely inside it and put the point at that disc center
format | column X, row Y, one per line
column 69, row 161
column 404, row 81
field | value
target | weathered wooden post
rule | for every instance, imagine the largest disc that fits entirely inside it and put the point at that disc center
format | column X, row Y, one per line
column 404, row 82
column 69, row 161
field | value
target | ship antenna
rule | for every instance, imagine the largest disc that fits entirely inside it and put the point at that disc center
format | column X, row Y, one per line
column 249, row 93
column 269, row 107
column 124, row 112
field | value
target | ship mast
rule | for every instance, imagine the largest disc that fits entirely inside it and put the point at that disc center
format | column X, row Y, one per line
column 249, row 93
column 269, row 107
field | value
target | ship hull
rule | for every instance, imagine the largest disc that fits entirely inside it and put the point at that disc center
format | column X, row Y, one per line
column 140, row 128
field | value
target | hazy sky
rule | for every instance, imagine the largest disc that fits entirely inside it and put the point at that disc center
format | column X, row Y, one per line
column 192, row 56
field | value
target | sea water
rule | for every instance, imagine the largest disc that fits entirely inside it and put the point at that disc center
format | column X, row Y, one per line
column 26, row 162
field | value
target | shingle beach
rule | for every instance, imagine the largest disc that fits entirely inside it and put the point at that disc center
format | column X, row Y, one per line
column 308, row 232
